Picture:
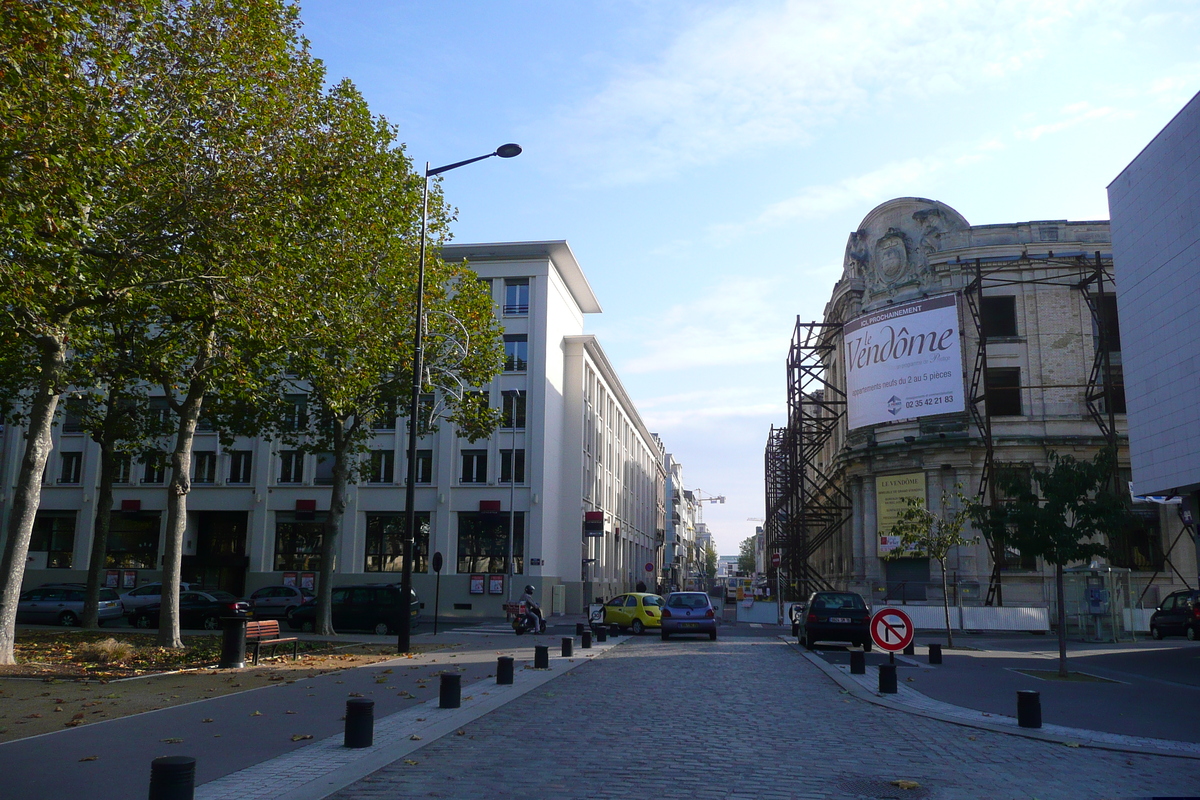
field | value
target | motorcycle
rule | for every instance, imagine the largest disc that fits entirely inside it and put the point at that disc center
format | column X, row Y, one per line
column 522, row 624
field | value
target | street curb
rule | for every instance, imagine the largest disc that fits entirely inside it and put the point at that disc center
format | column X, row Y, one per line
column 326, row 767
column 1062, row 736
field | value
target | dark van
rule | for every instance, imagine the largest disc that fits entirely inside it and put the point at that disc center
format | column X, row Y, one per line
column 373, row 607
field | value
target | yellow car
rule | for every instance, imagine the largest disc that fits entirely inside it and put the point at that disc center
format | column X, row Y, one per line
column 636, row 611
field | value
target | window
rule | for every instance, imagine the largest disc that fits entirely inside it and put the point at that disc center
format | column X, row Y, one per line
column 1138, row 545
column 1116, row 376
column 1003, row 386
column 54, row 535
column 73, row 414
column 71, row 468
column 474, row 466
column 295, row 412
column 1106, row 308
column 122, row 467
column 998, row 316
column 204, row 466
column 385, row 541
column 516, row 352
column 298, row 542
column 383, row 464
column 514, row 410
column 384, row 418
column 507, row 469
column 424, row 466
column 483, row 542
column 1008, row 478
column 154, row 468
column 291, row 466
column 133, row 540
column 516, row 296
column 159, row 412
column 323, row 476
column 240, row 462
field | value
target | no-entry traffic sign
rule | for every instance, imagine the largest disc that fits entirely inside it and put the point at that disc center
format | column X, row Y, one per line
column 891, row 629
column 775, row 559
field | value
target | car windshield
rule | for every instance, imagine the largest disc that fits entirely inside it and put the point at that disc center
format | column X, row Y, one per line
column 220, row 594
column 835, row 601
column 688, row 601
column 108, row 594
column 307, row 592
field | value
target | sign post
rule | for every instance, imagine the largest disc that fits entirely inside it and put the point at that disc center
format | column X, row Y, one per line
column 891, row 630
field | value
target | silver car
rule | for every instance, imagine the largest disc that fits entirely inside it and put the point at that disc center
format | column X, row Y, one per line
column 279, row 601
column 147, row 594
column 63, row 605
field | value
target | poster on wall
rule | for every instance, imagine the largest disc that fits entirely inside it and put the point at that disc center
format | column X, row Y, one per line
column 129, row 579
column 495, row 584
column 308, row 580
column 112, row 578
column 904, row 362
column 891, row 495
column 289, row 579
column 476, row 584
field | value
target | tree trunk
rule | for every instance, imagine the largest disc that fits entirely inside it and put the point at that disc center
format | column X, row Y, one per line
column 946, row 605
column 104, row 501
column 28, row 492
column 1062, row 621
column 331, row 531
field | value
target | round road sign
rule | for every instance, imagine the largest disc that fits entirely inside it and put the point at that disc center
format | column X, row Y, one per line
column 891, row 629
column 775, row 559
column 649, row 566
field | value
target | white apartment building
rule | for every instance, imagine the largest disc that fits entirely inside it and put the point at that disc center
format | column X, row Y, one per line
column 572, row 472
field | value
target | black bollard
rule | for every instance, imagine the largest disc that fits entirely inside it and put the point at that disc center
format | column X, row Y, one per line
column 173, row 778
column 910, row 649
column 935, row 654
column 504, row 670
column 451, row 694
column 587, row 640
column 601, row 634
column 541, row 657
column 858, row 662
column 795, row 629
column 1029, row 708
column 614, row 631
column 887, row 678
column 568, row 646
column 360, row 722
column 233, row 643
column 579, row 628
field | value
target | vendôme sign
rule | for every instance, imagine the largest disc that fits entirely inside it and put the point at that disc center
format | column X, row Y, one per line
column 904, row 362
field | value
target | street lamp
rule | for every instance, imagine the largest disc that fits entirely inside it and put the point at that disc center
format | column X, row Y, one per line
column 414, row 406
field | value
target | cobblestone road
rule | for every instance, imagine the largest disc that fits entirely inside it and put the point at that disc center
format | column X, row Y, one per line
column 744, row 718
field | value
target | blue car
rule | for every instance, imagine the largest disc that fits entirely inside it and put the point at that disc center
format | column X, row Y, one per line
column 688, row 612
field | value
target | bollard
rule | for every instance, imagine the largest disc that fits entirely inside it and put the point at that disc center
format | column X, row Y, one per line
column 858, row 662
column 1029, row 708
column 587, row 640
column 504, row 670
column 173, row 778
column 568, row 646
column 910, row 649
column 541, row 657
column 579, row 628
column 614, row 631
column 935, row 654
column 233, row 643
column 796, row 629
column 601, row 634
column 887, row 678
column 451, row 693
column 360, row 722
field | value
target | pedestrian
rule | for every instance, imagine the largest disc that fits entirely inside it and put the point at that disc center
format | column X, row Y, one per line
column 641, row 586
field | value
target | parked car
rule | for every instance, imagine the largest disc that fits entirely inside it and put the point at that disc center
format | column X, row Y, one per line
column 836, row 617
column 1177, row 615
column 62, row 604
column 374, row 607
column 146, row 594
column 688, row 612
column 279, row 601
column 635, row 611
column 197, row 609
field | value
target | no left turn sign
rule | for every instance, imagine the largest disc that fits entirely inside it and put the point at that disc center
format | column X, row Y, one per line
column 891, row 629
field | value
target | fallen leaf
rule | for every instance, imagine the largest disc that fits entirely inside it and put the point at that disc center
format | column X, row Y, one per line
column 301, row 737
column 257, row 714
column 971, row 738
column 289, row 712
column 460, row 733
column 468, row 697
column 1071, row 744
column 420, row 719
column 89, row 758
column 409, row 761
column 77, row 716
column 903, row 784
column 172, row 740
column 415, row 738
column 207, row 719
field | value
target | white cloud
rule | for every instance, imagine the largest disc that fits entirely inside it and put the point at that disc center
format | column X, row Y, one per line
column 1072, row 115
column 763, row 73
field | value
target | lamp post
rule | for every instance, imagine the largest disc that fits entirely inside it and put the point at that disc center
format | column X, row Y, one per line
column 414, row 406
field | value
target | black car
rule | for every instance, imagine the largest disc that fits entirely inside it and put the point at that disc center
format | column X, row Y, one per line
column 197, row 609
column 374, row 607
column 836, row 617
column 1178, row 615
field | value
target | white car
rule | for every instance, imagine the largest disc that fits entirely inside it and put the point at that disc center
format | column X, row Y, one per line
column 146, row 594
column 279, row 601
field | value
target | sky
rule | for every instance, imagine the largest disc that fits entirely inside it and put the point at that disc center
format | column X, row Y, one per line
column 706, row 161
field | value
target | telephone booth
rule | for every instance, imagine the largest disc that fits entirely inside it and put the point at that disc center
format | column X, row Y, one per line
column 1099, row 603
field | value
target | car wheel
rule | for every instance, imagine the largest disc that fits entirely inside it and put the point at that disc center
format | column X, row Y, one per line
column 141, row 621
column 712, row 637
column 639, row 628
column 211, row 623
column 665, row 636
column 1191, row 633
column 308, row 626
column 381, row 629
column 1155, row 632
column 68, row 619
column 807, row 642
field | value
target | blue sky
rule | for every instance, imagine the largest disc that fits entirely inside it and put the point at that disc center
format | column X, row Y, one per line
column 707, row 160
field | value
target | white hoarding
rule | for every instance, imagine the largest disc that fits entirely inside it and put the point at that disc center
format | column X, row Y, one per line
column 904, row 362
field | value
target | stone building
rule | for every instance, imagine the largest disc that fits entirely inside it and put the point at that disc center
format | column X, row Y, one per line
column 891, row 396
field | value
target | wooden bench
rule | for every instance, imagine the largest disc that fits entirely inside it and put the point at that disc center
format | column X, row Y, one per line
column 267, row 632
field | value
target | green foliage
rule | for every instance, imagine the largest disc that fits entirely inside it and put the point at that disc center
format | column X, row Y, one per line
column 710, row 562
column 746, row 560
column 932, row 534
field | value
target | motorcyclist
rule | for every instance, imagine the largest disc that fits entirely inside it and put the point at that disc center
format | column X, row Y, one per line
column 533, row 612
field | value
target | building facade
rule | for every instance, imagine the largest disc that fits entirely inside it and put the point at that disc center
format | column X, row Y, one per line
column 572, row 473
column 949, row 352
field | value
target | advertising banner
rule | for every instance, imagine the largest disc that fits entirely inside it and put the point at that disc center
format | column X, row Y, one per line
column 891, row 495
column 904, row 362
